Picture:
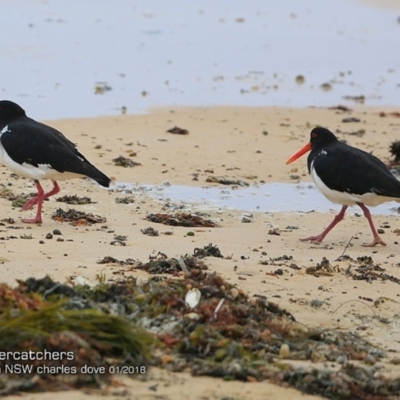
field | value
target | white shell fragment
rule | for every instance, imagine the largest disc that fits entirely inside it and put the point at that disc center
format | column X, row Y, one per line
column 284, row 351
column 218, row 308
column 192, row 297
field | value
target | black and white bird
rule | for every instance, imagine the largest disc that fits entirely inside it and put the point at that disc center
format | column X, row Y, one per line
column 37, row 151
column 348, row 176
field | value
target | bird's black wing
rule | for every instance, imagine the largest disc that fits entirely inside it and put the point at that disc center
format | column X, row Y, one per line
column 34, row 143
column 351, row 170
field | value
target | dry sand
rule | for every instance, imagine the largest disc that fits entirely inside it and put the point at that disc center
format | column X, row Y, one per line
column 231, row 142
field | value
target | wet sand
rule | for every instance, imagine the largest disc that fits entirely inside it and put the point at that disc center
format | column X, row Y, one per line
column 250, row 144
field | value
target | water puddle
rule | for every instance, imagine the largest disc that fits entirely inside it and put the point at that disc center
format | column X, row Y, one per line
column 269, row 197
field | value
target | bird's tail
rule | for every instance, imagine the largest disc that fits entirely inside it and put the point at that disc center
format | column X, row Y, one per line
column 95, row 174
column 100, row 178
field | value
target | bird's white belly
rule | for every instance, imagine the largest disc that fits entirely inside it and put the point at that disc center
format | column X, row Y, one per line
column 42, row 171
column 348, row 199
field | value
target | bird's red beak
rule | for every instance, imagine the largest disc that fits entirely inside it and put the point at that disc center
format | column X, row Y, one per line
column 302, row 151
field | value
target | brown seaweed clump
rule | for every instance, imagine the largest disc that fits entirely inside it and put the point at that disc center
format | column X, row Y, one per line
column 77, row 218
column 207, row 251
column 226, row 181
column 395, row 150
column 181, row 219
column 125, row 162
column 75, row 200
column 178, row 131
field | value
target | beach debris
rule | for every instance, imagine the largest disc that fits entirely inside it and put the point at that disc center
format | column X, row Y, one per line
column 113, row 260
column 395, row 114
column 359, row 133
column 77, row 218
column 181, row 219
column 125, row 200
column 119, row 240
column 395, row 150
column 326, row 86
column 125, row 162
column 18, row 200
column 226, row 181
column 357, row 99
column 178, row 131
column 161, row 264
column 340, row 108
column 247, row 218
column 366, row 270
column 219, row 306
column 351, row 119
column 101, row 88
column 323, row 268
column 75, row 200
column 7, row 193
column 150, row 231
column 277, row 261
column 207, row 251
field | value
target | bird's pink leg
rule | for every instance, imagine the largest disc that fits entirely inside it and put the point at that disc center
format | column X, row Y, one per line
column 377, row 239
column 40, row 198
column 319, row 238
column 34, row 200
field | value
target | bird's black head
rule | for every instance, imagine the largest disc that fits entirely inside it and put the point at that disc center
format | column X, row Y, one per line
column 320, row 137
column 9, row 111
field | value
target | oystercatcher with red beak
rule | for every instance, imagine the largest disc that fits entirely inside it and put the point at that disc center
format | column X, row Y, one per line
column 348, row 176
column 37, row 151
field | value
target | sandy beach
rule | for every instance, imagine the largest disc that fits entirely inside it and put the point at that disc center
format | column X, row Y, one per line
column 248, row 144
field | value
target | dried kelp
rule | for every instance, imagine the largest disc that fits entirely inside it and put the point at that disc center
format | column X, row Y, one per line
column 125, row 162
column 178, row 131
column 150, row 231
column 367, row 270
column 395, row 151
column 161, row 264
column 226, row 181
column 113, row 260
column 181, row 219
column 75, row 200
column 77, row 218
column 207, row 251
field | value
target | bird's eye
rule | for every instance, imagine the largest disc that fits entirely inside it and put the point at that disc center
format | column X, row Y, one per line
column 313, row 134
